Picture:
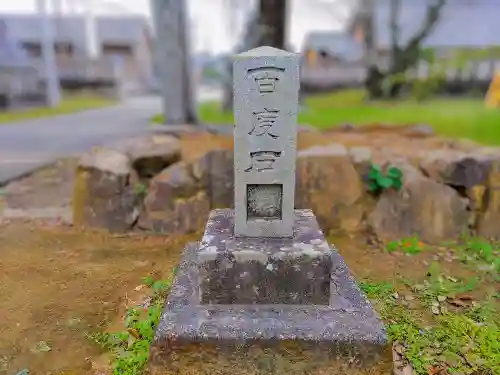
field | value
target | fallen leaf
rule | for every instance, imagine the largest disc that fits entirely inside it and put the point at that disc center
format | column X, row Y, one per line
column 398, row 348
column 464, row 297
column 437, row 370
column 407, row 369
column 139, row 287
column 133, row 332
column 457, row 302
column 41, row 347
column 441, row 298
column 400, row 365
column 435, row 310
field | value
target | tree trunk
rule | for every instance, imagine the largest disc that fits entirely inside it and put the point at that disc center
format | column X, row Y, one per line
column 173, row 62
column 273, row 23
column 266, row 27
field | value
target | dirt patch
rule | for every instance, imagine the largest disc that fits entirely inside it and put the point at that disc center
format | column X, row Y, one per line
column 57, row 283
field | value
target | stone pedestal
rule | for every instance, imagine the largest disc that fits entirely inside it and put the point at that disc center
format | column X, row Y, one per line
column 239, row 270
column 270, row 306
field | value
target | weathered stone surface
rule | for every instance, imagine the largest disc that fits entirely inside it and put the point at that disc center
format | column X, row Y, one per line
column 463, row 144
column 474, row 175
column 176, row 202
column 421, row 130
column 348, row 329
column 433, row 211
column 215, row 171
column 457, row 168
column 361, row 158
column 266, row 101
column 104, row 196
column 264, row 270
column 488, row 223
column 150, row 154
column 329, row 184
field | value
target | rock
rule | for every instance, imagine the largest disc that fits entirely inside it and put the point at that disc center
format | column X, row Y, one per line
column 347, row 128
column 176, row 202
column 423, row 207
column 489, row 213
column 328, row 183
column 463, row 144
column 150, row 154
column 457, row 168
column 361, row 157
column 421, row 131
column 216, row 170
column 104, row 195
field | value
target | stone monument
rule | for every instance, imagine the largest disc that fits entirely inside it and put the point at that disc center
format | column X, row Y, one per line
column 263, row 292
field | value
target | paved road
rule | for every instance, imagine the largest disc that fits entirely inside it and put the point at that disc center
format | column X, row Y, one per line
column 27, row 145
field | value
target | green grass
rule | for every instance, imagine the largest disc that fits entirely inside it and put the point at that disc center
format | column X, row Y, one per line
column 431, row 336
column 68, row 105
column 130, row 346
column 458, row 118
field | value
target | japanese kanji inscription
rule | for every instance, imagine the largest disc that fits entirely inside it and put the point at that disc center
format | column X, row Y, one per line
column 266, row 86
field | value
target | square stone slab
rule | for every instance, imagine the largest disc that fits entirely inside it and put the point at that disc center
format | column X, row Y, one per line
column 239, row 270
column 240, row 336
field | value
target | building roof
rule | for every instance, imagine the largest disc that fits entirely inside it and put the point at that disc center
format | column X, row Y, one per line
column 338, row 43
column 462, row 23
column 71, row 28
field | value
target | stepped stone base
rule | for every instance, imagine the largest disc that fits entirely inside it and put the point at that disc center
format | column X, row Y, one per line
column 264, row 270
column 195, row 338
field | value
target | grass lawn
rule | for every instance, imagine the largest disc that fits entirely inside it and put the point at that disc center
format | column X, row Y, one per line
column 68, row 105
column 459, row 118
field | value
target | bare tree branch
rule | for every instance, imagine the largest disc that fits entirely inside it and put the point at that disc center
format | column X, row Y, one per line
column 431, row 18
column 394, row 25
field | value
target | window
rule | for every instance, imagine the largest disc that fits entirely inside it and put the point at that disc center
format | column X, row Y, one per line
column 64, row 48
column 33, row 49
column 120, row 49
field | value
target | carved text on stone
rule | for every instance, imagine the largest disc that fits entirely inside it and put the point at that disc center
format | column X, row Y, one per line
column 266, row 78
column 262, row 160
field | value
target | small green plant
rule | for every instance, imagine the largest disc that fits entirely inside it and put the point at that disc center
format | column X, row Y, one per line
column 376, row 290
column 411, row 245
column 380, row 180
column 140, row 189
column 481, row 254
column 130, row 347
